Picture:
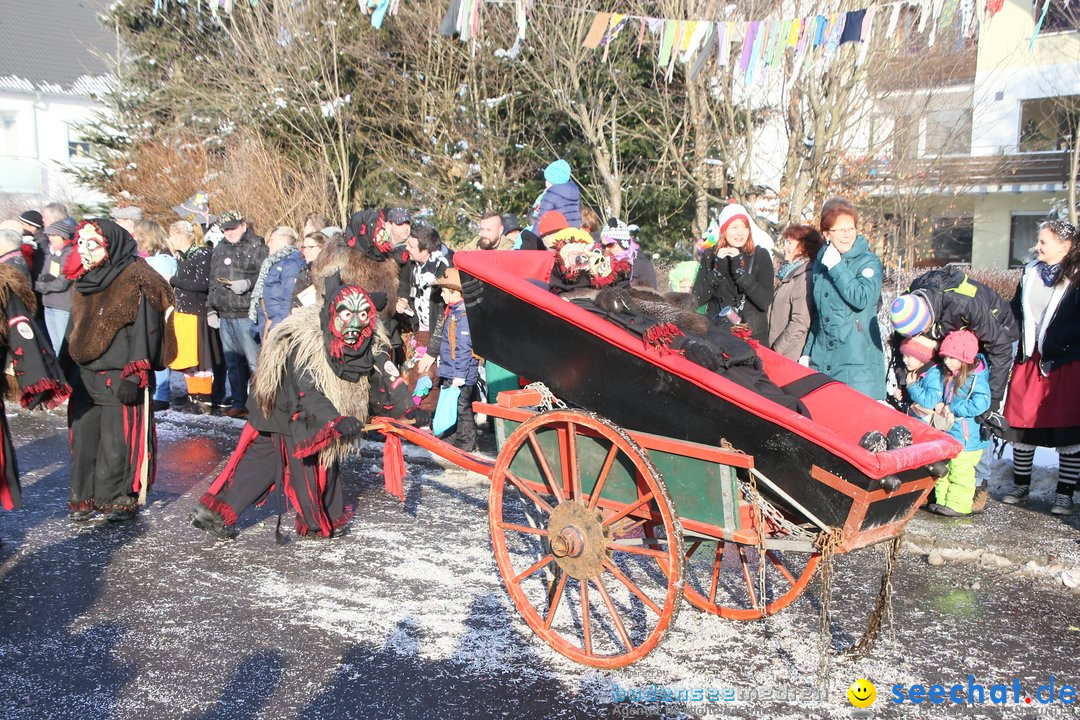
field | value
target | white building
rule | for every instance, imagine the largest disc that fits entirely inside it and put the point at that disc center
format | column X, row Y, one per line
column 52, row 59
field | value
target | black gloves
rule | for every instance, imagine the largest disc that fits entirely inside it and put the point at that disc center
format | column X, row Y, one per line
column 349, row 427
column 128, row 392
column 737, row 266
column 993, row 423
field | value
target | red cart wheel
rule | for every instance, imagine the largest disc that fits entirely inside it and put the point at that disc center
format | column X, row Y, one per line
column 722, row 578
column 570, row 492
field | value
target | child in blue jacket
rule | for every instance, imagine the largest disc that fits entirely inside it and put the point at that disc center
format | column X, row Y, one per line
column 457, row 364
column 960, row 383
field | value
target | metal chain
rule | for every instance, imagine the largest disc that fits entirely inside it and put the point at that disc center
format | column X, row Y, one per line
column 772, row 513
column 547, row 398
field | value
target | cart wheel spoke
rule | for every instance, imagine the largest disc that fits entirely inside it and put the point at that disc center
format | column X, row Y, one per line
column 524, row 529
column 571, row 477
column 615, row 618
column 545, row 467
column 586, row 625
column 693, row 547
column 520, row 485
column 647, row 497
column 553, row 605
column 746, row 577
column 572, row 540
column 716, row 571
column 780, row 566
column 605, row 470
column 631, row 586
column 532, row 568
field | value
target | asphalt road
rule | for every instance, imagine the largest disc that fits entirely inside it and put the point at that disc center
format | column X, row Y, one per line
column 406, row 617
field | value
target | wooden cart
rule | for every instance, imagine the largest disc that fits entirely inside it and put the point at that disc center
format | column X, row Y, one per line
column 599, row 531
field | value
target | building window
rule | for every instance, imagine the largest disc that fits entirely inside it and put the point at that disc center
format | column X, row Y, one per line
column 1048, row 124
column 1023, row 231
column 950, row 240
column 78, row 149
column 1061, row 17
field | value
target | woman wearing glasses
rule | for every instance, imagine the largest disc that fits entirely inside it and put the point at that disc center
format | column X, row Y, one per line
column 312, row 245
column 845, row 340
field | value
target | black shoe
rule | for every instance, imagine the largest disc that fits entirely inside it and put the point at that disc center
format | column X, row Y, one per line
column 80, row 515
column 206, row 519
column 946, row 511
column 160, row 405
column 120, row 515
column 340, row 532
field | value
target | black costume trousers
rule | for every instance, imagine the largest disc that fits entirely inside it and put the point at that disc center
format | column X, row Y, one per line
column 264, row 459
column 110, row 445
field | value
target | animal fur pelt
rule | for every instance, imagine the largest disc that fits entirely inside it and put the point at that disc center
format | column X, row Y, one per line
column 652, row 305
column 301, row 335
column 97, row 318
column 12, row 280
column 356, row 269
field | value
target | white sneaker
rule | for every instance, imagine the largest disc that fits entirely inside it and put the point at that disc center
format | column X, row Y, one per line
column 1063, row 505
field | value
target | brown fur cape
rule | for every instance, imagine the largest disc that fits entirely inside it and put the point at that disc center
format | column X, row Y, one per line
column 301, row 335
column 97, row 318
column 14, row 282
column 356, row 269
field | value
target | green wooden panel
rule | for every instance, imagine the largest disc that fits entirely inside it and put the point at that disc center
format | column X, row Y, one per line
column 702, row 491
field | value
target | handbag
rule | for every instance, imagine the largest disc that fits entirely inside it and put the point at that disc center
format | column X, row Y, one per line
column 446, row 411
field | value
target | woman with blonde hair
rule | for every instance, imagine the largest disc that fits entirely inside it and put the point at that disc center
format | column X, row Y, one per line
column 199, row 353
column 153, row 247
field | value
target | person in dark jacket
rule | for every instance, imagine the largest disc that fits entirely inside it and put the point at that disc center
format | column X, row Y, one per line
column 561, row 194
column 52, row 285
column 121, row 331
column 844, row 341
column 941, row 301
column 1043, row 403
column 271, row 298
column 736, row 275
column 199, row 353
column 234, row 268
column 458, row 366
column 36, row 380
column 309, row 402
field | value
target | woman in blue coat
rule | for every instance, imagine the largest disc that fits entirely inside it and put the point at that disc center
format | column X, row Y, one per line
column 844, row 340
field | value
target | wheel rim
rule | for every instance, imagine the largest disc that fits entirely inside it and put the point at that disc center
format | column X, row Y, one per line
column 572, row 553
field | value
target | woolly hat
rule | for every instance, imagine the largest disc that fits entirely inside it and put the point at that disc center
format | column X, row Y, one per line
column 919, row 347
column 552, row 221
column 557, row 173
column 910, row 314
column 960, row 344
column 65, row 228
column 735, row 211
column 32, row 217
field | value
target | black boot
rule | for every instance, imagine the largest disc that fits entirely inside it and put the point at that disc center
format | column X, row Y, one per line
column 121, row 514
column 206, row 519
column 80, row 515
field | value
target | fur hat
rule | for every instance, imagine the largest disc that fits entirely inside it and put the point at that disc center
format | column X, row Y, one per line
column 919, row 347
column 960, row 344
column 552, row 221
column 557, row 172
column 910, row 314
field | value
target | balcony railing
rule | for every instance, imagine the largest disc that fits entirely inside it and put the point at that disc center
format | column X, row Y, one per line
column 960, row 172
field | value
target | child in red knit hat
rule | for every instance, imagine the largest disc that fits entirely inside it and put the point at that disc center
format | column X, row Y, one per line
column 959, row 384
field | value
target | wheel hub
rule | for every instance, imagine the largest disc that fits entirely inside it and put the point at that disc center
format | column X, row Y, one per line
column 578, row 539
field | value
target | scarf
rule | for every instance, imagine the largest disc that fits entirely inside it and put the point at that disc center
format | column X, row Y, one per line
column 1050, row 274
column 788, row 269
column 257, row 293
column 120, row 251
